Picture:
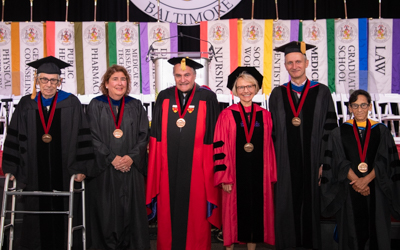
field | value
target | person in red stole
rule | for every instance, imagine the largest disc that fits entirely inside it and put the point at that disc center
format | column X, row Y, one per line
column 245, row 165
column 361, row 179
column 180, row 170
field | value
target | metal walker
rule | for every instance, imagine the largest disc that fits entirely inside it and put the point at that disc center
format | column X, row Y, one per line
column 13, row 192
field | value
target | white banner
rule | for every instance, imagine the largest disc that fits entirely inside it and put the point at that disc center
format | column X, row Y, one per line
column 380, row 55
column 5, row 59
column 161, row 37
column 347, row 55
column 65, row 50
column 94, row 55
column 31, row 49
column 252, row 54
column 128, row 52
column 314, row 32
column 281, row 36
column 219, row 34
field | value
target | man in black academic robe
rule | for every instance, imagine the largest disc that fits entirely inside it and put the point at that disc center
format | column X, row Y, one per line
column 42, row 165
column 180, row 171
column 299, row 145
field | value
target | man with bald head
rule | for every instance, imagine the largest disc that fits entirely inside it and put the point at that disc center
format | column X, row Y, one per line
column 180, row 174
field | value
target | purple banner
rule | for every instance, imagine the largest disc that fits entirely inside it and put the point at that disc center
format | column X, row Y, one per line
column 396, row 57
column 145, row 67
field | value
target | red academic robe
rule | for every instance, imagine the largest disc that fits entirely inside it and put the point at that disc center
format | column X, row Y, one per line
column 226, row 144
column 180, row 172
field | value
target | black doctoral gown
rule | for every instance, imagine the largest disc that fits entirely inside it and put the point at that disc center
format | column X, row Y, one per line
column 47, row 166
column 363, row 221
column 299, row 152
column 117, row 210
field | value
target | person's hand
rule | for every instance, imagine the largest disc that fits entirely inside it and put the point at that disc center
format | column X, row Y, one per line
column 79, row 177
column 126, row 163
column 360, row 184
column 12, row 177
column 365, row 192
column 227, row 187
column 116, row 162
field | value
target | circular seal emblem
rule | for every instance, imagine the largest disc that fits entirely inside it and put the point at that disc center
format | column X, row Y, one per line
column 126, row 35
column 94, row 35
column 281, row 33
column 158, row 33
column 252, row 32
column 380, row 32
column 313, row 33
column 31, row 35
column 5, row 35
column 185, row 12
column 218, row 33
column 346, row 32
column 66, row 37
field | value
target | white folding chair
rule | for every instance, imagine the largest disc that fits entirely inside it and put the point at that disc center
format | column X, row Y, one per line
column 225, row 98
column 384, row 110
column 260, row 99
column 147, row 102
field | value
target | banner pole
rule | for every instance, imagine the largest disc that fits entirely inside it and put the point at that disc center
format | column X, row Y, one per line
column 252, row 9
column 345, row 9
column 31, row 10
column 219, row 9
column 95, row 10
column 158, row 11
column 66, row 10
column 276, row 10
column 127, row 10
column 315, row 10
column 380, row 9
column 2, row 10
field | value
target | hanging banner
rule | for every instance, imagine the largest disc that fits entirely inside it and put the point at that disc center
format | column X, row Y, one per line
column 380, row 55
column 314, row 32
column 162, row 37
column 60, row 37
column 31, row 48
column 5, row 59
column 223, row 35
column 347, row 50
column 396, row 57
column 186, row 13
column 124, row 50
column 284, row 31
column 255, row 48
column 94, row 55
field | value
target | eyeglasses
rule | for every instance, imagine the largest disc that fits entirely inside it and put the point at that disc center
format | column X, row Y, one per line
column 44, row 80
column 249, row 87
column 362, row 105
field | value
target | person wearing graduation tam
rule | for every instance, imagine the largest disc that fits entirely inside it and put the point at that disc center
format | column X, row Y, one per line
column 245, row 165
column 48, row 141
column 180, row 169
column 119, row 126
column 360, row 182
column 303, row 115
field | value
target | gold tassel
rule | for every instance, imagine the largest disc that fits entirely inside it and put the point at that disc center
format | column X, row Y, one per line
column 33, row 95
column 183, row 64
column 303, row 47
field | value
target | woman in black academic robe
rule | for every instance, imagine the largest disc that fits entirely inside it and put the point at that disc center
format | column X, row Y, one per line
column 360, row 180
column 119, row 127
